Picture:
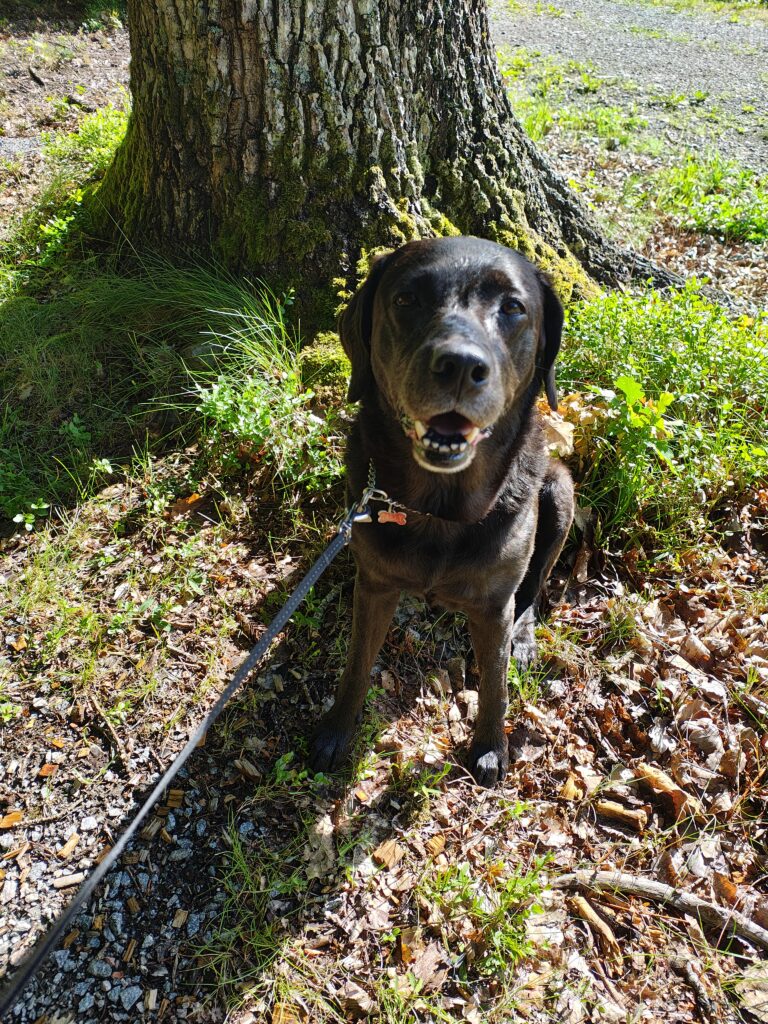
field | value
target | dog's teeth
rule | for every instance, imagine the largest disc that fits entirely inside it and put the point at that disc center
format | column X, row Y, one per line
column 420, row 428
column 455, row 447
column 473, row 435
column 463, row 446
column 444, row 447
column 425, row 443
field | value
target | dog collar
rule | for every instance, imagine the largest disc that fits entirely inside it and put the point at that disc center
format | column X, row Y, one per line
column 396, row 512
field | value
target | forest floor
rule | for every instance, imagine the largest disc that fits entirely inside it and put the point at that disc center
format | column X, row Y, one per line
column 400, row 891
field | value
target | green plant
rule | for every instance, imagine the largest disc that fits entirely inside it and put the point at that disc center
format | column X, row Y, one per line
column 252, row 400
column 671, row 408
column 716, row 196
column 495, row 904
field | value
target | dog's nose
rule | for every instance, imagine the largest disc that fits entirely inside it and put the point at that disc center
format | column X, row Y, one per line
column 464, row 366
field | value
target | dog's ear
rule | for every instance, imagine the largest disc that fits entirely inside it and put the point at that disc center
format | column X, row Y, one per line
column 549, row 342
column 355, row 325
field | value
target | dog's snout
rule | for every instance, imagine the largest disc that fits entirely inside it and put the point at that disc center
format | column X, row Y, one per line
column 460, row 364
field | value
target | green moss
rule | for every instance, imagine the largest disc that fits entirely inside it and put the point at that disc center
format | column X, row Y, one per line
column 325, row 369
column 324, row 361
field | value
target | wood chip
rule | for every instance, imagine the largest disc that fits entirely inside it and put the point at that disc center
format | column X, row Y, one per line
column 179, row 918
column 67, row 880
column 175, row 798
column 12, row 819
column 635, row 818
column 165, row 835
column 150, row 999
column 608, row 942
column 389, row 853
column 150, row 831
column 47, row 770
column 19, row 851
column 98, row 923
column 684, row 804
column 133, row 905
column 68, row 847
column 129, row 951
column 70, row 938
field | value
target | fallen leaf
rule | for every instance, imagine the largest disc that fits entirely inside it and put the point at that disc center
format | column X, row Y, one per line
column 752, row 991
column 321, row 853
column 389, row 853
column 435, row 844
column 355, row 999
column 572, row 789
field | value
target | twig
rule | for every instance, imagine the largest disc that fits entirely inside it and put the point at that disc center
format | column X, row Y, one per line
column 118, row 743
column 710, row 913
column 685, row 968
column 35, row 77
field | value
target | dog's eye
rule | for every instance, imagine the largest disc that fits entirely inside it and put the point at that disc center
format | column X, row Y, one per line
column 510, row 307
column 405, row 299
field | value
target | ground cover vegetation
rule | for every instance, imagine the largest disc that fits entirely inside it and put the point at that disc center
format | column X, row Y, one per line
column 171, row 458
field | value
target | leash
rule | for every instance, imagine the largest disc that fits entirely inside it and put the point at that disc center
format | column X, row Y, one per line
column 39, row 953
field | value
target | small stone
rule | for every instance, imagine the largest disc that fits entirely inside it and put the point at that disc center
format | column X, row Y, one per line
column 85, row 1003
column 201, row 826
column 129, row 996
column 100, row 969
column 60, row 957
column 193, row 924
column 89, row 824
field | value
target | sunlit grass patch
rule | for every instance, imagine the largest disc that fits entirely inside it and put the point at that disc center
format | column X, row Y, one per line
column 715, row 196
column 673, row 419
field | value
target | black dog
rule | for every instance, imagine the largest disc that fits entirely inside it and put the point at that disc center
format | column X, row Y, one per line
column 450, row 341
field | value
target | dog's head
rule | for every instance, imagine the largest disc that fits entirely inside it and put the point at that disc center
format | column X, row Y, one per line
column 453, row 333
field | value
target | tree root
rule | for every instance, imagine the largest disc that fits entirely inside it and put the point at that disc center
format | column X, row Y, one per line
column 686, row 903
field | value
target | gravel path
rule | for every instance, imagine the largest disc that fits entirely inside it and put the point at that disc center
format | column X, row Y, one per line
column 666, row 59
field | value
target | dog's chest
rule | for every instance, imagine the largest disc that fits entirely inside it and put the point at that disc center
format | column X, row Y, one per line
column 474, row 568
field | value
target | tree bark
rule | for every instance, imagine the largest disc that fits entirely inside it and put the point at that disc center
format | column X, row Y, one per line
column 291, row 138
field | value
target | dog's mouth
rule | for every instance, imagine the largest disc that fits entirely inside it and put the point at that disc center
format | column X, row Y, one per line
column 445, row 443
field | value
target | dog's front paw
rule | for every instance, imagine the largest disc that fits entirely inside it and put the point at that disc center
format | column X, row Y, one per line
column 488, row 762
column 330, row 745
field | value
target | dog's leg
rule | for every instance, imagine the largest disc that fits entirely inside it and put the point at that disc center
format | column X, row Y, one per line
column 372, row 613
column 554, row 521
column 491, row 640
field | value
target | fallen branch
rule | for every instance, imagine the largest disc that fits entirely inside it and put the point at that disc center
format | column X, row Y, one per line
column 685, row 902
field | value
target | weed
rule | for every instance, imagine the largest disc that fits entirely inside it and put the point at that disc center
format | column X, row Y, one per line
column 76, row 162
column 495, row 904
column 716, row 196
column 678, row 401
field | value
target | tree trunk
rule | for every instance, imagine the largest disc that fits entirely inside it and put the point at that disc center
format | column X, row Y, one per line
column 291, row 138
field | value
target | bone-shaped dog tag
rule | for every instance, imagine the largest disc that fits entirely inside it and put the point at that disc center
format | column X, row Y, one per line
column 390, row 516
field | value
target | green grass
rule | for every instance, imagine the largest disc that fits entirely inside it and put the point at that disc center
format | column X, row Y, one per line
column 716, row 196
column 91, row 372
column 674, row 413
column 76, row 162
